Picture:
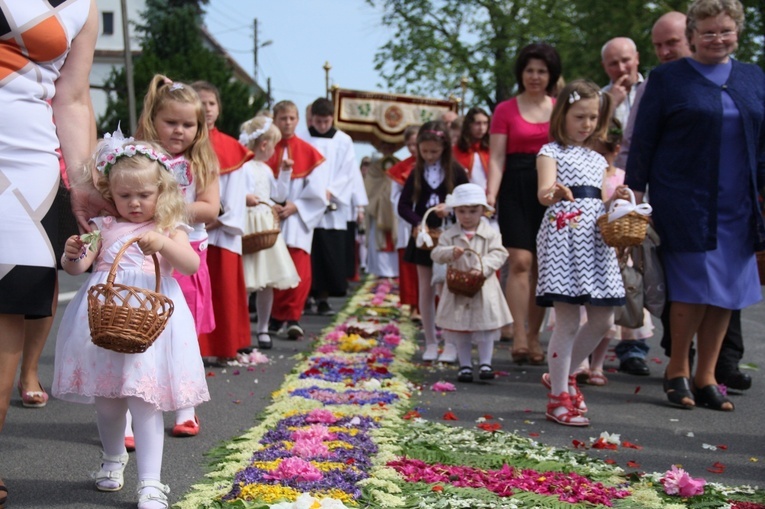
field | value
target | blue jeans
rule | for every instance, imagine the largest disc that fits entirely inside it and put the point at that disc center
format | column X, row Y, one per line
column 629, row 348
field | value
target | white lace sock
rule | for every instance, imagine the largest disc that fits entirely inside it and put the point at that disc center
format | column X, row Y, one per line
column 590, row 334
column 184, row 414
column 149, row 428
column 427, row 303
column 264, row 301
column 462, row 341
column 485, row 342
column 128, row 424
column 110, row 419
column 561, row 345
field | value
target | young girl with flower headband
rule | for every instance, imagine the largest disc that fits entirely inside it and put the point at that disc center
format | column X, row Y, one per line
column 477, row 319
column 173, row 116
column 575, row 266
column 139, row 179
column 435, row 175
column 270, row 268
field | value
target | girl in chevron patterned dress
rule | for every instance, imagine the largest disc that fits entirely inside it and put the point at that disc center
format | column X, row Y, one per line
column 575, row 266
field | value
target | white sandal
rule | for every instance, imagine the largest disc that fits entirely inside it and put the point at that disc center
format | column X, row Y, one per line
column 158, row 494
column 108, row 477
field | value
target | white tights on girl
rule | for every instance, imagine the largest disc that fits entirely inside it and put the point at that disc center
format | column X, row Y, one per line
column 484, row 341
column 570, row 344
column 427, row 303
column 149, row 431
column 264, row 301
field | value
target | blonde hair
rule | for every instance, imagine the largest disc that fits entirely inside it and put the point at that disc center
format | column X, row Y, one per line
column 572, row 93
column 703, row 9
column 272, row 134
column 283, row 106
column 140, row 169
column 200, row 154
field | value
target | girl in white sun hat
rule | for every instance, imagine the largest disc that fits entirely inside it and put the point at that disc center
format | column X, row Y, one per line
column 472, row 247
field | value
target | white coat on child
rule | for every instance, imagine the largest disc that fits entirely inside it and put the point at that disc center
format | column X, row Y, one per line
column 475, row 319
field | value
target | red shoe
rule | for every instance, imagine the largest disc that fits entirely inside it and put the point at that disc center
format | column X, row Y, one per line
column 577, row 398
column 571, row 416
column 130, row 444
column 187, row 429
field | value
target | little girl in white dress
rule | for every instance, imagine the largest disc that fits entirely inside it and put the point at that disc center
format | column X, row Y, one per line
column 270, row 268
column 139, row 179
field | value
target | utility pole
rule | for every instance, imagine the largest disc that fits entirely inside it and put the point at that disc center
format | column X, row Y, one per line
column 268, row 92
column 128, row 68
column 255, row 50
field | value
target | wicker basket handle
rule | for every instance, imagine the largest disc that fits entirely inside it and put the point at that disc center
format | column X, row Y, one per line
column 118, row 257
column 424, row 223
column 423, row 240
column 468, row 250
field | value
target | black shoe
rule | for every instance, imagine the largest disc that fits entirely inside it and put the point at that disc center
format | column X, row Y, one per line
column 247, row 350
column 264, row 341
column 253, row 317
column 294, row 330
column 324, row 309
column 274, row 325
column 634, row 366
column 308, row 306
column 465, row 374
column 735, row 380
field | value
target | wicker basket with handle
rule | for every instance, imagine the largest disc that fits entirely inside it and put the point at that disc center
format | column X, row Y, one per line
column 434, row 233
column 465, row 282
column 124, row 318
column 626, row 231
column 258, row 241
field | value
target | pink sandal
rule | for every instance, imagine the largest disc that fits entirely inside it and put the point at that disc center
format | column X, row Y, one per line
column 571, row 417
column 33, row 399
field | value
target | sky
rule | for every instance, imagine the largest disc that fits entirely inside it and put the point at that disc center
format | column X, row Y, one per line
column 304, row 34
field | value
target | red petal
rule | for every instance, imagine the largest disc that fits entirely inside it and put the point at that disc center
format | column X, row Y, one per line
column 630, row 445
column 633, row 464
column 723, row 447
column 533, row 434
column 610, row 461
column 637, row 389
column 716, row 468
column 449, row 416
column 555, row 355
column 579, row 445
column 488, row 417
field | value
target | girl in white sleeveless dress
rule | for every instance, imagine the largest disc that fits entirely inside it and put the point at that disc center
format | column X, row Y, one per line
column 270, row 268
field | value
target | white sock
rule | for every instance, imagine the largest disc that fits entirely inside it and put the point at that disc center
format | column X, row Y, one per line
column 599, row 319
column 427, row 302
column 149, row 428
column 184, row 414
column 264, row 302
column 461, row 340
column 561, row 345
column 128, row 424
column 485, row 342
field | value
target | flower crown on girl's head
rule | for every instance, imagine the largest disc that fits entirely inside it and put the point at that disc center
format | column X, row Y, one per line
column 245, row 138
column 115, row 146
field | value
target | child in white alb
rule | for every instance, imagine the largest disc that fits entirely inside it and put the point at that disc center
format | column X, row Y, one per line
column 474, row 246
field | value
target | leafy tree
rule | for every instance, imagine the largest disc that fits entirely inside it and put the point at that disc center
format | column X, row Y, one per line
column 171, row 44
column 436, row 42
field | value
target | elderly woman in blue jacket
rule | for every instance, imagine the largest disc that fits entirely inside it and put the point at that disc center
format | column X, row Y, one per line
column 699, row 148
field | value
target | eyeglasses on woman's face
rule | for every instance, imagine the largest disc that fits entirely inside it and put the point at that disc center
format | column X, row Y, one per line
column 727, row 35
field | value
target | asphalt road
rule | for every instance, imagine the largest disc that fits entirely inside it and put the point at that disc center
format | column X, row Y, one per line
column 47, row 455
